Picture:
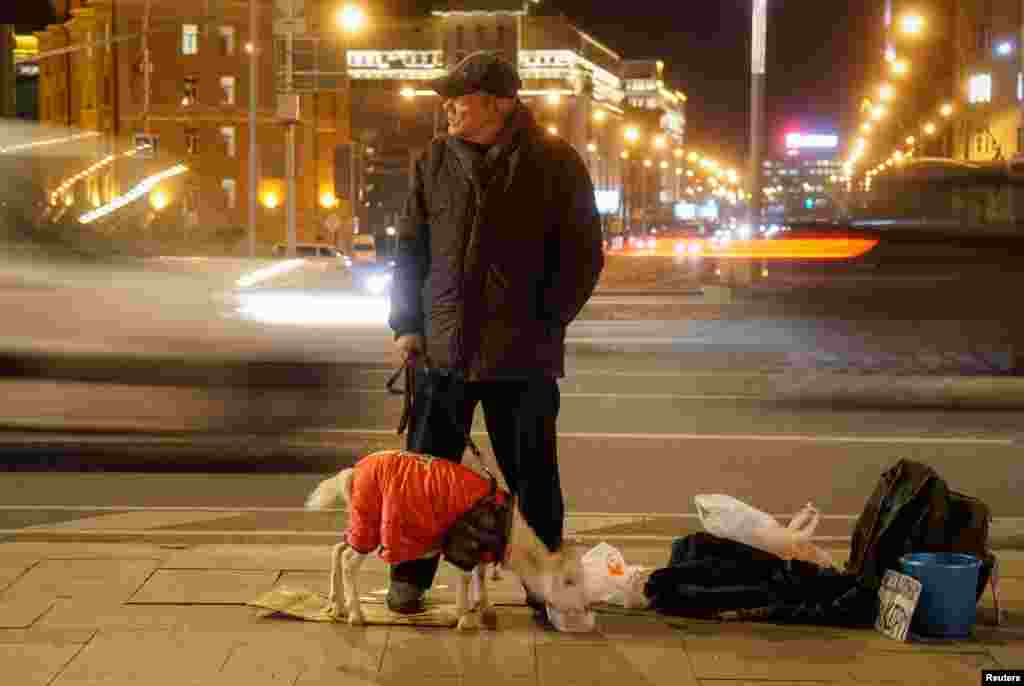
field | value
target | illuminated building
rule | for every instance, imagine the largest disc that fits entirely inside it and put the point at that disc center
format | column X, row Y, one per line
column 989, row 125
column 802, row 180
column 198, row 115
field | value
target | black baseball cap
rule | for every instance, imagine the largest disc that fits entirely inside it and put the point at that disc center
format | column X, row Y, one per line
column 479, row 72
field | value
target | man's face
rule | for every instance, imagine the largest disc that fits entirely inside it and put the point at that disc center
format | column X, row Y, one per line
column 470, row 116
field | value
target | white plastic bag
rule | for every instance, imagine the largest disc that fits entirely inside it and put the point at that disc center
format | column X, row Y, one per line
column 608, row 579
column 727, row 517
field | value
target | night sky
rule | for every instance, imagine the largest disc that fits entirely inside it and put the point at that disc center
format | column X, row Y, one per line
column 820, row 53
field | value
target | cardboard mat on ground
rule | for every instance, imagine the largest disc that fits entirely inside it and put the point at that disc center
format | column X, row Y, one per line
column 300, row 603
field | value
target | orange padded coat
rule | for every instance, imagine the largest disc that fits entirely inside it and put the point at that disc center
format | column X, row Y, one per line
column 405, row 502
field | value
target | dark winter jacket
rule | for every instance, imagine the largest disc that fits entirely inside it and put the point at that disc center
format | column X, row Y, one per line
column 497, row 253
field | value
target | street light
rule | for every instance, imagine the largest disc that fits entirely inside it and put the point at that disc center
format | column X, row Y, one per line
column 878, row 112
column 659, row 142
column 328, row 200
column 929, row 128
column 632, row 134
column 554, row 98
column 900, row 67
column 351, row 18
column 600, row 115
column 886, row 91
column 912, row 24
column 911, row 140
column 408, row 93
column 553, row 130
column 591, row 147
column 270, row 200
column 865, row 127
column 947, row 110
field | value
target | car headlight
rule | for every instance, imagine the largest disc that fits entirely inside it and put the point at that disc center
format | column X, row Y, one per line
column 680, row 247
column 378, row 283
column 651, row 243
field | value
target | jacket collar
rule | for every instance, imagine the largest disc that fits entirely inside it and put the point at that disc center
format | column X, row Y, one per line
column 520, row 126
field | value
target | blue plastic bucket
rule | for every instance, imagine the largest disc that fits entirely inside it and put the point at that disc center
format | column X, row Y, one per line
column 949, row 582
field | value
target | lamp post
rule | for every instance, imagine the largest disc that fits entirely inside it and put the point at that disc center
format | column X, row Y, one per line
column 253, row 88
column 757, row 70
column 350, row 19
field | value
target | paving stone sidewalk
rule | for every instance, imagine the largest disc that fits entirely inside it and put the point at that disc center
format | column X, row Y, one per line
column 73, row 614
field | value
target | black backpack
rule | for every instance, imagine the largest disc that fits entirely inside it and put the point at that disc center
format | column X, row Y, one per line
column 913, row 510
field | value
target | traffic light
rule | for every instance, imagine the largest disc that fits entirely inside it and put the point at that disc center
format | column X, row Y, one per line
column 809, row 203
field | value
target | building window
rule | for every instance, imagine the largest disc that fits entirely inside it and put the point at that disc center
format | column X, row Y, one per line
column 227, row 40
column 228, row 134
column 230, row 193
column 227, row 86
column 984, row 37
column 189, row 39
column 460, row 38
column 190, row 90
column 192, row 141
column 481, row 37
column 979, row 88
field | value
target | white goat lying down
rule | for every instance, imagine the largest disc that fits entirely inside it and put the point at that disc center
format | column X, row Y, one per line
column 412, row 506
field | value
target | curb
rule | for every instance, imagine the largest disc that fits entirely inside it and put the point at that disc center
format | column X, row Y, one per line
column 901, row 392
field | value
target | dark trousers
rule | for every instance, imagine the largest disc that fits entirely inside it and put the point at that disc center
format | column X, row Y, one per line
column 520, row 416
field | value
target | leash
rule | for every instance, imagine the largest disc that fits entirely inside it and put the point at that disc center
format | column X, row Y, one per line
column 408, row 369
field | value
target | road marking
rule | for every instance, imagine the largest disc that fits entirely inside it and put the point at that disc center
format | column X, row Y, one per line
column 570, row 373
column 797, row 438
column 599, row 396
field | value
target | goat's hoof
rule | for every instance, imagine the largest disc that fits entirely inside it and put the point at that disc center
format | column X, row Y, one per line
column 489, row 618
column 334, row 611
column 356, row 618
column 468, row 622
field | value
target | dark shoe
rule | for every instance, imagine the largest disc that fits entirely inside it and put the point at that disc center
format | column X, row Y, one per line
column 404, row 598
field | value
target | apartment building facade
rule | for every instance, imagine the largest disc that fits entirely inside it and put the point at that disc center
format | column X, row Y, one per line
column 193, row 110
column 990, row 75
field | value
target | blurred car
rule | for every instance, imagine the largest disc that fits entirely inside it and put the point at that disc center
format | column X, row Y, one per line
column 934, row 238
column 322, row 254
column 364, row 248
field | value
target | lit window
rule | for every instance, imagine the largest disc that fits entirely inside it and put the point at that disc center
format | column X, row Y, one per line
column 228, row 134
column 227, row 40
column 189, row 39
column 230, row 193
column 190, row 90
column 192, row 141
column 227, row 85
column 979, row 88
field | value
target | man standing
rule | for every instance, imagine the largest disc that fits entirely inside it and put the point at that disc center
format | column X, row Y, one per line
column 498, row 250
